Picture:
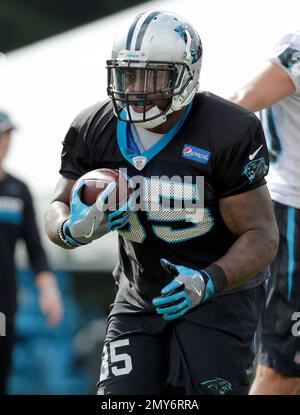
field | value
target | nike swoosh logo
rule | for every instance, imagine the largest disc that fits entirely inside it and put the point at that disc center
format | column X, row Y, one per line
column 88, row 235
column 199, row 292
column 251, row 156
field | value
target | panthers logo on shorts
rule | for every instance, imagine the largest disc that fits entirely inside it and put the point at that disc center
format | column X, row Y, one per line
column 218, row 386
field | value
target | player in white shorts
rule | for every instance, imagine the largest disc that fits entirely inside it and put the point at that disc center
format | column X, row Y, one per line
column 276, row 92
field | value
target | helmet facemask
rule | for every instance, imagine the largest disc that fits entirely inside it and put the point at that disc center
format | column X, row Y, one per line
column 142, row 91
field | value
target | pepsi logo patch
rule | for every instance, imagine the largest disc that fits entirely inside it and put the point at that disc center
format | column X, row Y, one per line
column 196, row 154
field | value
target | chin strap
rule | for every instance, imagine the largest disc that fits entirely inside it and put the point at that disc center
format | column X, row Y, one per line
column 153, row 112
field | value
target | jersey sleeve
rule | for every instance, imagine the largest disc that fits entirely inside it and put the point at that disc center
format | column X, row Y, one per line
column 242, row 165
column 74, row 155
column 286, row 54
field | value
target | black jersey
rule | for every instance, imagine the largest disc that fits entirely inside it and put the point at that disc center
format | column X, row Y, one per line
column 17, row 221
column 216, row 141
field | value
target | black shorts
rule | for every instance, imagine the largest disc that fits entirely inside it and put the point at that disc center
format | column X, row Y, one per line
column 280, row 343
column 208, row 351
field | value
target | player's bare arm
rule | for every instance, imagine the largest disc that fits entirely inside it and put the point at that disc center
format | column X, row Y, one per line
column 275, row 92
column 250, row 217
column 58, row 210
column 269, row 86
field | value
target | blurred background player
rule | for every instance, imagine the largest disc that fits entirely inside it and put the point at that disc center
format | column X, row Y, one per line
column 276, row 92
column 17, row 221
column 190, row 279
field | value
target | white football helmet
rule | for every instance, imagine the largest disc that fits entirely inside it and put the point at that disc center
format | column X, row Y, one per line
column 157, row 59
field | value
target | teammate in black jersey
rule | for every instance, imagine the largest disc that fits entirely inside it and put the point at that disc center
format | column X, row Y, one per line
column 17, row 221
column 194, row 249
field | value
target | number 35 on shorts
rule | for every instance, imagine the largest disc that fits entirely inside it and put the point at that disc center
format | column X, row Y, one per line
column 114, row 362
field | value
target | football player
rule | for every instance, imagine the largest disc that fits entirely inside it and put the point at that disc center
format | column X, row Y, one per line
column 193, row 257
column 17, row 221
column 276, row 91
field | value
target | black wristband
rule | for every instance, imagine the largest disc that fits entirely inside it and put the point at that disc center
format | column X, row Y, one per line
column 217, row 276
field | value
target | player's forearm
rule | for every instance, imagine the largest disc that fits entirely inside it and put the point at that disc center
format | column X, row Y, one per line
column 55, row 214
column 271, row 85
column 248, row 98
column 250, row 254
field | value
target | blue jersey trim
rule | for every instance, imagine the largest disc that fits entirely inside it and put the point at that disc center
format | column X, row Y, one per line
column 132, row 143
column 123, row 130
column 291, row 241
column 275, row 144
column 11, row 217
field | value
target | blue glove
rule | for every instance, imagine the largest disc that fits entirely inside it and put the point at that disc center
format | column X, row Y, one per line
column 188, row 289
column 87, row 223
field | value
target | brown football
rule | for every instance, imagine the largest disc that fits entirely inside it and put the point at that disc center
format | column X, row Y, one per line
column 96, row 181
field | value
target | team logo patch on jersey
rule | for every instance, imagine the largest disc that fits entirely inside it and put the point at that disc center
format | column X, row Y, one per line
column 289, row 57
column 196, row 154
column 218, row 385
column 139, row 162
column 255, row 170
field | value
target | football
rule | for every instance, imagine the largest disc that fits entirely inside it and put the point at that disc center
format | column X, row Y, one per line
column 96, row 181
